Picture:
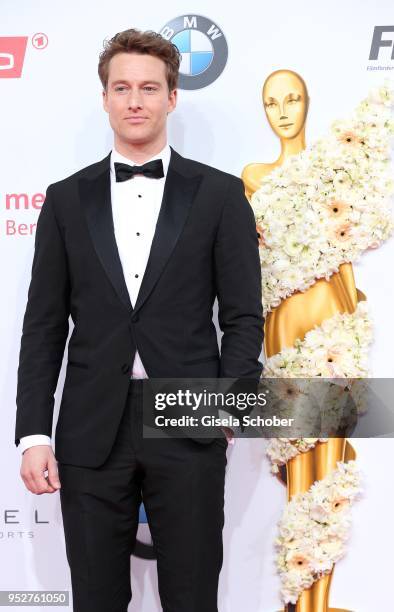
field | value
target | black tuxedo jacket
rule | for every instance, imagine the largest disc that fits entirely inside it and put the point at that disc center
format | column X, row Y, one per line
column 205, row 245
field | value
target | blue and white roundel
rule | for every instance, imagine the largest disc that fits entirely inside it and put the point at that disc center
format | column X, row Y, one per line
column 202, row 46
column 196, row 51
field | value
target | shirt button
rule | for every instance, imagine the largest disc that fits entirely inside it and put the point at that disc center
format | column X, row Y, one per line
column 139, row 195
column 136, row 275
column 138, row 234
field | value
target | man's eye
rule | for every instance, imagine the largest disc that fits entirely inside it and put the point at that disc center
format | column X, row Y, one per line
column 149, row 88
column 120, row 88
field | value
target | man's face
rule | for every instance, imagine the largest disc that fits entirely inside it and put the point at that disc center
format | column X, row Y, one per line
column 137, row 99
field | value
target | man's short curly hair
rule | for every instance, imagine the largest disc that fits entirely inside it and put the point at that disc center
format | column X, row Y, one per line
column 145, row 43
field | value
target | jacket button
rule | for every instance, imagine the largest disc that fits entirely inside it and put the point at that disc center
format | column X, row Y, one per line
column 135, row 318
column 125, row 368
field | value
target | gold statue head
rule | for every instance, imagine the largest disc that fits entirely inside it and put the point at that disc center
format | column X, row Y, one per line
column 285, row 100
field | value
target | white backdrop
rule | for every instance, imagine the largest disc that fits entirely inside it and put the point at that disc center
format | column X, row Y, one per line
column 52, row 123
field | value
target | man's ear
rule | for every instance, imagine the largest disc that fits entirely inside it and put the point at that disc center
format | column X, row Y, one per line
column 172, row 100
column 105, row 102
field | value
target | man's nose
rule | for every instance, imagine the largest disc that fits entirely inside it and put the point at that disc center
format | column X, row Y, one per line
column 134, row 100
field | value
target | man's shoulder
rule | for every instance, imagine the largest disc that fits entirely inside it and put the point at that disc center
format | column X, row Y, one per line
column 88, row 172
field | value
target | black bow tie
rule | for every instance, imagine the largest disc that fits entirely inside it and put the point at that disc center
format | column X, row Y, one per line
column 152, row 169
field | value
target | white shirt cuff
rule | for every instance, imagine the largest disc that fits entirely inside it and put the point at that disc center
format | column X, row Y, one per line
column 34, row 440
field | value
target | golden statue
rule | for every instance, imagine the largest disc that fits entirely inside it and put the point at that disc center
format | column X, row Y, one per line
column 286, row 101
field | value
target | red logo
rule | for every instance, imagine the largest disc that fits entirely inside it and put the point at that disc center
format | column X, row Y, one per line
column 12, row 54
column 39, row 40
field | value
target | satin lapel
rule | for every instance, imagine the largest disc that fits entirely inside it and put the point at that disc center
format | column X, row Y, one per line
column 95, row 197
column 179, row 193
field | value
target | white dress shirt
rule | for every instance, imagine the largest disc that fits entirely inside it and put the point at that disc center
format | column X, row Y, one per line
column 135, row 208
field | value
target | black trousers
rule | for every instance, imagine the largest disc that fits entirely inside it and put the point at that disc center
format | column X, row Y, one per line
column 181, row 483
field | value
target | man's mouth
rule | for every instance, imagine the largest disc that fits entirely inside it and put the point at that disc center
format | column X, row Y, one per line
column 135, row 119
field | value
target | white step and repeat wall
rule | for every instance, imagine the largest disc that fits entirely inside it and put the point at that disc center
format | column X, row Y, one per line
column 52, row 123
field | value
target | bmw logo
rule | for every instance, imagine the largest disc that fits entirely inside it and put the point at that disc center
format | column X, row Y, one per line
column 203, row 49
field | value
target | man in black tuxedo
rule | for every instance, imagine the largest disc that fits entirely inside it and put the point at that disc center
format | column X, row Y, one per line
column 135, row 248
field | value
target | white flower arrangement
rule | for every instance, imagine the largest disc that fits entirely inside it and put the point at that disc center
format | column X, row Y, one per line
column 314, row 528
column 328, row 204
column 338, row 348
